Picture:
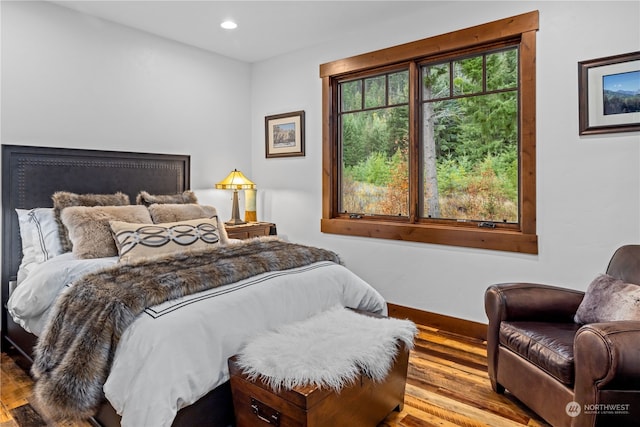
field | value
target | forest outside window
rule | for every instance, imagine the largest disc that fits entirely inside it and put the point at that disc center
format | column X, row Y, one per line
column 434, row 141
column 469, row 138
column 374, row 135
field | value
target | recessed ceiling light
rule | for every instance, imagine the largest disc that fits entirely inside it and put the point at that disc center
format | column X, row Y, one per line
column 229, row 25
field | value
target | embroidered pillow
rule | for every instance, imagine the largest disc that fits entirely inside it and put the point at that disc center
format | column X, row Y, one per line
column 40, row 238
column 135, row 241
column 89, row 228
column 609, row 299
column 64, row 199
column 144, row 198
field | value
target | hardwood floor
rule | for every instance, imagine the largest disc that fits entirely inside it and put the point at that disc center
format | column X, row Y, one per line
column 447, row 385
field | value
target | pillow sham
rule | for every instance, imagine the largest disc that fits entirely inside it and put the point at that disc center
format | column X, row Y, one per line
column 144, row 198
column 136, row 241
column 65, row 199
column 89, row 228
column 40, row 238
column 608, row 299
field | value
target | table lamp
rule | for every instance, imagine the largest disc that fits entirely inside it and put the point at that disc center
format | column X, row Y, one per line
column 235, row 181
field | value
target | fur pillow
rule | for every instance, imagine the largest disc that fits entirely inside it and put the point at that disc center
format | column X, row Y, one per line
column 64, row 199
column 135, row 241
column 144, row 198
column 609, row 299
column 186, row 212
column 89, row 228
column 172, row 212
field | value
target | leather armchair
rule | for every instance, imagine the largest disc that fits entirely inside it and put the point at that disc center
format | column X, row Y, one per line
column 572, row 375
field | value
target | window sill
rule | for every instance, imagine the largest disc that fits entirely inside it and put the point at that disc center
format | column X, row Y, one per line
column 500, row 240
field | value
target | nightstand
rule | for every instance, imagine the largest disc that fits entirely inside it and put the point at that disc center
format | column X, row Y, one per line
column 251, row 229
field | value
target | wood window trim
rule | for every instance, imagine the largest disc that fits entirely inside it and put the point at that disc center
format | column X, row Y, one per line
column 523, row 240
column 456, row 40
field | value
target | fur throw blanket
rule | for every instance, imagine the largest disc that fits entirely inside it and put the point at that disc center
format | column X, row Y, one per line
column 329, row 350
column 75, row 351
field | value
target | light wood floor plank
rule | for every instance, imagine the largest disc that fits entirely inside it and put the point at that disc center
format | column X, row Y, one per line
column 450, row 340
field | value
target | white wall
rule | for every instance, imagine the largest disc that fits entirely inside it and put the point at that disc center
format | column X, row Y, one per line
column 71, row 80
column 588, row 188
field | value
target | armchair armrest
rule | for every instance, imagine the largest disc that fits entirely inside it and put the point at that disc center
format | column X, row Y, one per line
column 531, row 301
column 607, row 366
column 607, row 356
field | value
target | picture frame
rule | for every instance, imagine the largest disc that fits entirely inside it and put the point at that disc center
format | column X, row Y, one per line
column 284, row 135
column 609, row 94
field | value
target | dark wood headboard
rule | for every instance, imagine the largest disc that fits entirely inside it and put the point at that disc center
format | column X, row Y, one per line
column 30, row 175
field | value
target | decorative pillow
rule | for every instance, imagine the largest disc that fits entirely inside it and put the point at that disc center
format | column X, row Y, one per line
column 135, row 241
column 609, row 299
column 172, row 212
column 89, row 228
column 161, row 213
column 144, row 198
column 64, row 199
column 40, row 238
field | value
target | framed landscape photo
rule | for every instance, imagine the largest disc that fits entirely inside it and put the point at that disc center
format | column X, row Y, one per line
column 284, row 134
column 609, row 94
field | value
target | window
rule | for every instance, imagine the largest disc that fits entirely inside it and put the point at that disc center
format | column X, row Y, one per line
column 469, row 138
column 434, row 141
column 374, row 134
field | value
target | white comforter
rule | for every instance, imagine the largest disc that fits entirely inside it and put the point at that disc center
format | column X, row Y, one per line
column 174, row 353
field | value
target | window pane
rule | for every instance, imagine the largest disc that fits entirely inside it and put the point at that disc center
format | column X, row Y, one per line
column 470, row 160
column 399, row 88
column 435, row 82
column 467, row 77
column 351, row 95
column 502, row 70
column 375, row 92
column 375, row 166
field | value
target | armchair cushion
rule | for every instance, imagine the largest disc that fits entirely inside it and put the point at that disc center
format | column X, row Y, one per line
column 548, row 345
column 609, row 299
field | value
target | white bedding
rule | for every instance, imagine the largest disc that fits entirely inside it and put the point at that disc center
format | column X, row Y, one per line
column 174, row 353
column 30, row 302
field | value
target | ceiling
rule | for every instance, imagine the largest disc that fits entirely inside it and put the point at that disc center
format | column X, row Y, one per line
column 265, row 28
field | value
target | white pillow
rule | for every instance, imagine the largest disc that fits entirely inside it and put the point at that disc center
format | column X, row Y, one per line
column 40, row 238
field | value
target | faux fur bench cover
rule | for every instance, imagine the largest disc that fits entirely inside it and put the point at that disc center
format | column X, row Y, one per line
column 74, row 354
column 328, row 350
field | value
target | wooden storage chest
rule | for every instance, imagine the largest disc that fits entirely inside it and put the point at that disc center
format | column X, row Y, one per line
column 364, row 404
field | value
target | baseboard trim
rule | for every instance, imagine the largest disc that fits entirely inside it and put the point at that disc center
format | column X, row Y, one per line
column 464, row 327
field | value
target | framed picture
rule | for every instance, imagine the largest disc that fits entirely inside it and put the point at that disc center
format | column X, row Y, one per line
column 609, row 94
column 284, row 134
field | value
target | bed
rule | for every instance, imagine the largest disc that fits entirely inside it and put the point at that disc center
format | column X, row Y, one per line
column 30, row 175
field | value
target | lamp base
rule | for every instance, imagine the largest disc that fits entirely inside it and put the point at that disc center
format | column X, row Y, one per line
column 235, row 211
